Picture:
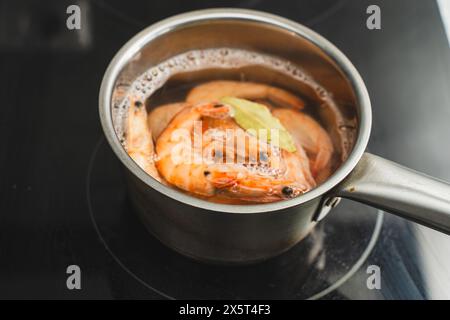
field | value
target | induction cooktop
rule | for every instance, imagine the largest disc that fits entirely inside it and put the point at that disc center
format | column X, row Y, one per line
column 63, row 199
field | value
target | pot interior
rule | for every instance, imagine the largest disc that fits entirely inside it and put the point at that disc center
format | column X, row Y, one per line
column 339, row 111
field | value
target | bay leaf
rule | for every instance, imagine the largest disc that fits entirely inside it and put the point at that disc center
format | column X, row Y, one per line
column 255, row 116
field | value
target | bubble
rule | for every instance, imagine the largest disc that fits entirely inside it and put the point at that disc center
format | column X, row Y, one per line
column 322, row 93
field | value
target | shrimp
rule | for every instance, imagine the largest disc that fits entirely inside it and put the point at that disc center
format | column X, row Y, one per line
column 294, row 166
column 174, row 149
column 243, row 184
column 298, row 164
column 260, row 181
column 312, row 137
column 139, row 143
column 254, row 184
column 214, row 90
column 160, row 117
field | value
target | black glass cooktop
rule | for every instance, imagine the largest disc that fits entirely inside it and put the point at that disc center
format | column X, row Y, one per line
column 62, row 194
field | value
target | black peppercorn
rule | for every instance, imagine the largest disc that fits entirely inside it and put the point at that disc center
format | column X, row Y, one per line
column 287, row 191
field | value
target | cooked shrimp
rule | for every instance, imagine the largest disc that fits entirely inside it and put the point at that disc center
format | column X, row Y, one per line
column 298, row 164
column 248, row 181
column 159, row 118
column 214, row 90
column 260, row 184
column 175, row 151
column 241, row 183
column 139, row 143
column 311, row 136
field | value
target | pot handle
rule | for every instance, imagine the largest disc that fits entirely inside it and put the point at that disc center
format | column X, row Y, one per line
column 407, row 193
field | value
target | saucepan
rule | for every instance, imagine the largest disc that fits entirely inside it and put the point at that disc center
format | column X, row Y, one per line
column 236, row 234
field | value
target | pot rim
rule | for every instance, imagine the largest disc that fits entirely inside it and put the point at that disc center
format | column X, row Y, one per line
column 135, row 44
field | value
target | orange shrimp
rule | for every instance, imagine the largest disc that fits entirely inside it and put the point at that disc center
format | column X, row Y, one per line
column 311, row 136
column 214, row 90
column 264, row 179
column 159, row 117
column 139, row 143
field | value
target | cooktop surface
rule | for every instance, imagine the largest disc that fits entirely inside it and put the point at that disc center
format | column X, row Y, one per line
column 63, row 198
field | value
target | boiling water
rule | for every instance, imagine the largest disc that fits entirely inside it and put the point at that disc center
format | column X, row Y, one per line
column 170, row 81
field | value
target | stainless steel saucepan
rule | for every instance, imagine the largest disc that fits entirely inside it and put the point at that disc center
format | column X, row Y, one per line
column 249, row 233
